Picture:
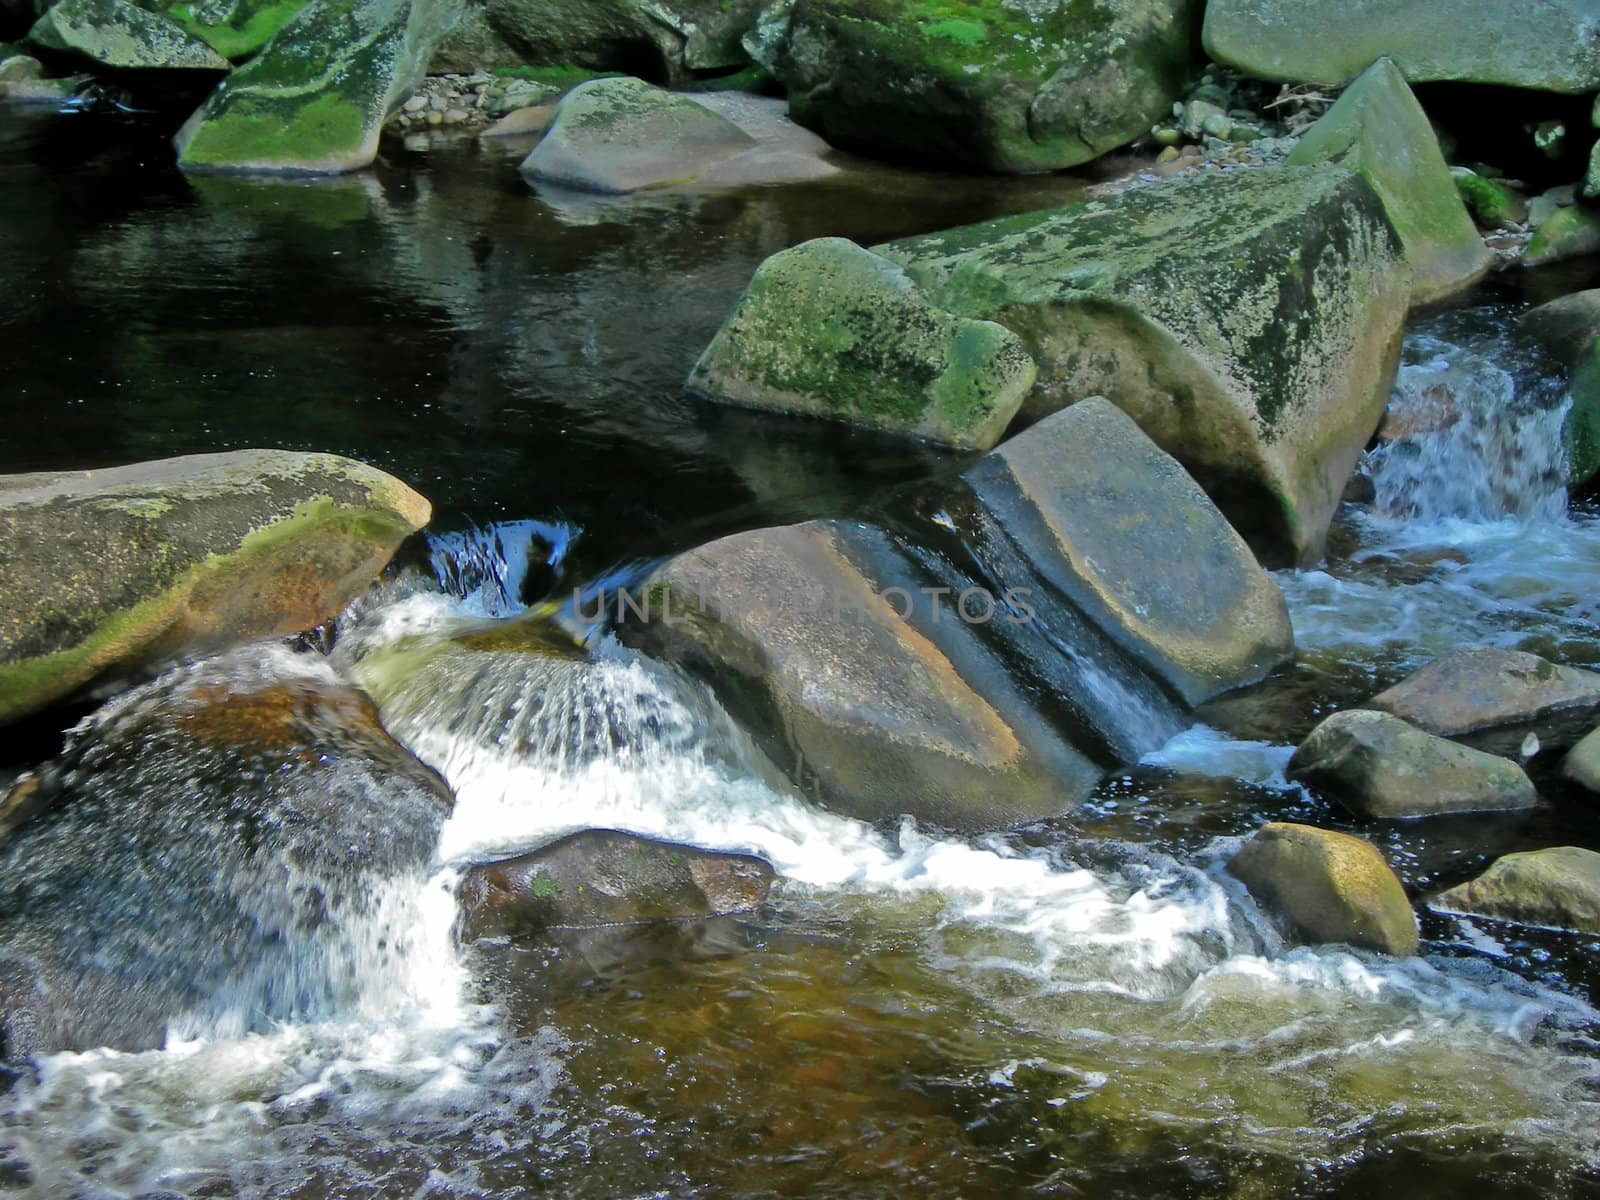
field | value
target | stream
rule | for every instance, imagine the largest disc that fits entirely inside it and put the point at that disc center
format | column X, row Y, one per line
column 1087, row 1006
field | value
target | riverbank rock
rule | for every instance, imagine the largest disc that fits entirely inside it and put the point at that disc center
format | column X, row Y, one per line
column 602, row 877
column 1566, row 327
column 1558, row 888
column 1582, row 764
column 127, row 566
column 1382, row 768
column 204, row 860
column 1249, row 322
column 118, row 33
column 1572, row 232
column 1550, row 49
column 832, row 330
column 315, row 100
column 1108, row 519
column 996, row 87
column 1483, row 687
column 1378, row 129
column 1331, row 887
column 801, row 630
column 622, row 135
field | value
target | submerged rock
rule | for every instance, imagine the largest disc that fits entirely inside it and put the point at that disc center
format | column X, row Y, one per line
column 1112, row 522
column 119, row 33
column 1001, row 87
column 125, row 567
column 1558, row 888
column 832, row 330
column 603, row 877
column 1550, row 48
column 1249, row 322
column 1483, row 687
column 1378, row 129
column 1331, row 887
column 623, row 135
column 202, row 859
column 1382, row 768
column 1582, row 764
column 315, row 100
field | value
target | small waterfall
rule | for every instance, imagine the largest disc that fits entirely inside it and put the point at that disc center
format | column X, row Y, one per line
column 492, row 567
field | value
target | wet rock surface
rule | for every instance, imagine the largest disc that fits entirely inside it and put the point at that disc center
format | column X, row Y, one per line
column 1558, row 888
column 1481, row 688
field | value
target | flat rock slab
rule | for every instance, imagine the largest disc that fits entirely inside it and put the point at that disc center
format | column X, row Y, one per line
column 1383, row 768
column 1331, row 887
column 1482, row 687
column 118, row 33
column 1557, row 888
column 623, row 135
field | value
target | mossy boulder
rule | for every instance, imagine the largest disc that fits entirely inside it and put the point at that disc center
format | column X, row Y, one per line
column 1105, row 517
column 1483, row 687
column 1383, row 768
column 1582, row 764
column 829, row 329
column 118, row 33
column 1570, row 233
column 601, row 878
column 1378, row 129
column 1329, row 887
column 124, row 567
column 235, row 29
column 623, row 135
column 1581, row 434
column 315, row 100
column 879, row 699
column 1491, row 203
column 1249, row 322
column 1557, row 888
column 997, row 86
column 1551, row 48
column 1566, row 327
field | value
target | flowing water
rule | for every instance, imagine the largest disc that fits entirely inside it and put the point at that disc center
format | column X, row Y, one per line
column 1085, row 1007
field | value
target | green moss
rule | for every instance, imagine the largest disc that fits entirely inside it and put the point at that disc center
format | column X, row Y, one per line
column 565, row 75
column 246, row 29
column 1582, row 432
column 963, row 33
column 254, row 131
column 1489, row 203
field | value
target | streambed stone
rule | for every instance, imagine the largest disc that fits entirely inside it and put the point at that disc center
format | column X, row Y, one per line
column 1582, row 764
column 1558, row 888
column 604, row 877
column 1384, row 768
column 1482, row 687
column 128, row 566
column 1331, row 887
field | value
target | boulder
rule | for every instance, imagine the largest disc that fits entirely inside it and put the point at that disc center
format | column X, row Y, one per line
column 1382, row 768
column 1378, row 129
column 1492, row 204
column 118, row 33
column 1566, row 327
column 829, row 329
column 999, row 87
column 1105, row 517
column 1571, row 233
column 315, row 100
column 1249, row 322
column 1330, row 887
column 1550, row 47
column 19, row 68
column 205, row 858
column 602, row 877
column 235, row 29
column 1581, row 434
column 1582, row 764
column 128, row 566
column 1558, row 888
column 881, row 700
column 1483, row 687
column 623, row 135
column 1589, row 188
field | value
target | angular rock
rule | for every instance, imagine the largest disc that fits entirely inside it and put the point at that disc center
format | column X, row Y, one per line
column 999, row 87
column 1331, row 887
column 235, row 29
column 1557, row 888
column 1249, row 322
column 1571, row 233
column 1582, row 764
column 1482, row 687
column 622, row 135
column 315, row 100
column 801, row 628
column 202, row 859
column 1104, row 516
column 1492, row 205
column 128, row 566
column 1566, row 327
column 1469, row 41
column 1378, row 129
column 832, row 330
column 1382, row 768
column 603, row 877
column 118, row 33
